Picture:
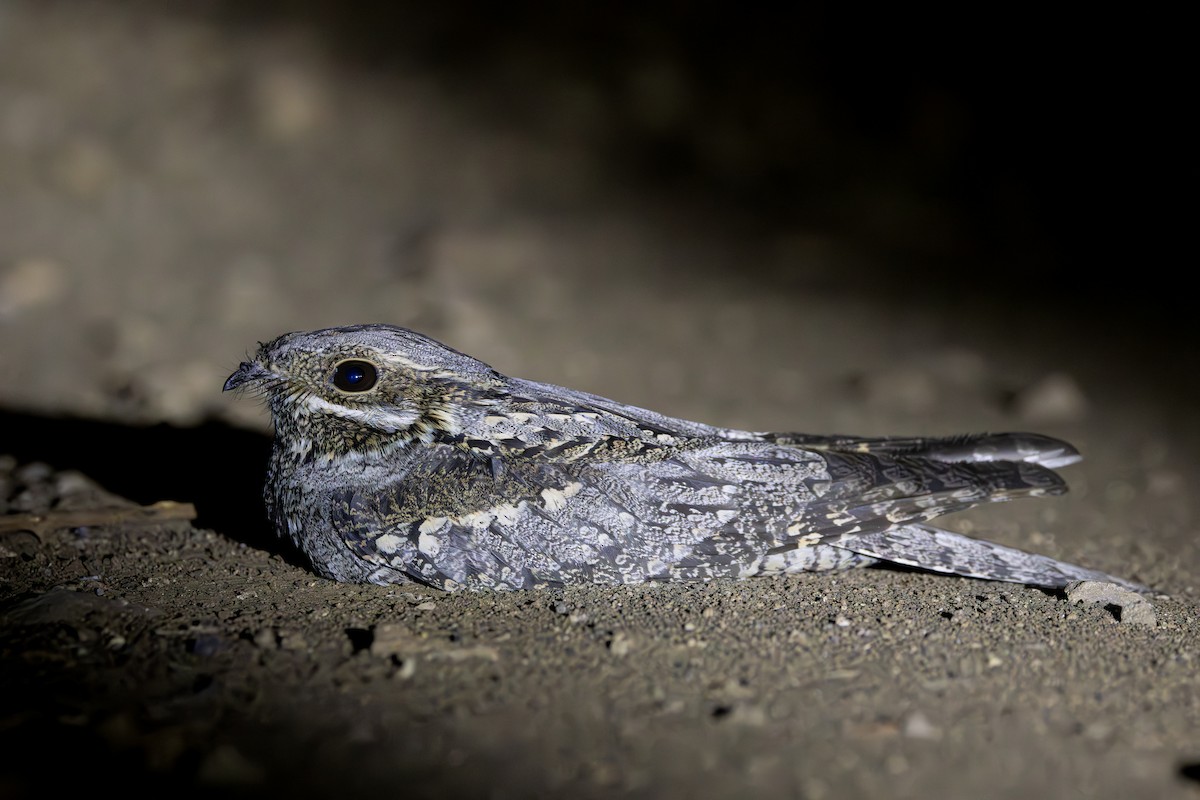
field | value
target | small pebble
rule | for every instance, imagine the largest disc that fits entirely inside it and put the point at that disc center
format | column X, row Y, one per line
column 33, row 472
column 906, row 389
column 918, row 726
column 293, row 641
column 622, row 644
column 225, row 766
column 265, row 639
column 1056, row 398
column 30, row 283
column 394, row 640
column 1130, row 607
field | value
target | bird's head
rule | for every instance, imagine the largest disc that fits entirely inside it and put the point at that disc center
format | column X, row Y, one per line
column 356, row 390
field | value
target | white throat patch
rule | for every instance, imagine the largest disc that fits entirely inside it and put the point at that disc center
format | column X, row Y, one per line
column 387, row 421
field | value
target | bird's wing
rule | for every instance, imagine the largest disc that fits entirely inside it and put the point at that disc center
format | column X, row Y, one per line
column 619, row 419
column 622, row 515
column 612, row 418
column 1033, row 448
column 842, row 492
column 521, row 517
column 930, row 548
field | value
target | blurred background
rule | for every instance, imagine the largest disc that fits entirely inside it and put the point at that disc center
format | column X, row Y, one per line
column 808, row 218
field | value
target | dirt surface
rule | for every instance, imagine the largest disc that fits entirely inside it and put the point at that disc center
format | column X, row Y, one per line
column 177, row 184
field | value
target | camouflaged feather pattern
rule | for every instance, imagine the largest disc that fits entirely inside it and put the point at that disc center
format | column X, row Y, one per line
column 448, row 473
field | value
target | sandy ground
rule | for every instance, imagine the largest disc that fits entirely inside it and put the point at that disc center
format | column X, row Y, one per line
column 177, row 186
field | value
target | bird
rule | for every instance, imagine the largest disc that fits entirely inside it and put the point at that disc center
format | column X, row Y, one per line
column 398, row 459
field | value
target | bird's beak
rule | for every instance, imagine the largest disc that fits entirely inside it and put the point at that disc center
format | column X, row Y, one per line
column 248, row 372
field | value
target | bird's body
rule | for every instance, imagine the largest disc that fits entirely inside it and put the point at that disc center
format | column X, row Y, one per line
column 399, row 459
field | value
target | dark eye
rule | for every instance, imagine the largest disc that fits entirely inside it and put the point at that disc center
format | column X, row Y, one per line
column 355, row 376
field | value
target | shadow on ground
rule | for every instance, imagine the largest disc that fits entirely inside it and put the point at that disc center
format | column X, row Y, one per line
column 215, row 466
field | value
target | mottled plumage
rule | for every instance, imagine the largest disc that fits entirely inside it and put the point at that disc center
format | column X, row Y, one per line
column 398, row 459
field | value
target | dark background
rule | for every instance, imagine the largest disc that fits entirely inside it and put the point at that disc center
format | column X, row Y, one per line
column 1017, row 151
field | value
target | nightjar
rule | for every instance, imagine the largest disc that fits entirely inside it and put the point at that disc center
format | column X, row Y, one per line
column 397, row 459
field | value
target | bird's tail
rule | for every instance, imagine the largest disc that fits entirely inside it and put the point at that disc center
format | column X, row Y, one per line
column 929, row 548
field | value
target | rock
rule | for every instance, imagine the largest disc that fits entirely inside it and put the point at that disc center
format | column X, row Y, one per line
column 395, row 640
column 918, row 726
column 1127, row 606
column 1139, row 614
column 622, row 644
column 291, row 104
column 266, row 639
column 30, row 283
column 906, row 389
column 1164, row 483
column 33, row 472
column 292, row 640
column 225, row 766
column 398, row 642
column 85, row 168
column 465, row 653
column 204, row 645
column 958, row 367
column 1055, row 398
column 749, row 714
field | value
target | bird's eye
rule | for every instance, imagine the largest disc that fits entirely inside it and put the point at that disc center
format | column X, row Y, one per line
column 355, row 376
